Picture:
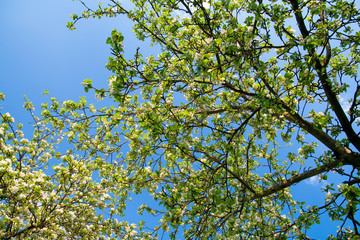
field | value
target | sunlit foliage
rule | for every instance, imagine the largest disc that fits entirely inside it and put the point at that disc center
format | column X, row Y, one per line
column 244, row 100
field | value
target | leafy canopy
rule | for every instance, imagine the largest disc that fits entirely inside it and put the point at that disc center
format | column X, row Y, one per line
column 239, row 106
column 59, row 184
column 245, row 100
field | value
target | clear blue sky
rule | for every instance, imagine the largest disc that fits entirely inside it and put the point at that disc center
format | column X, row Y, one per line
column 38, row 52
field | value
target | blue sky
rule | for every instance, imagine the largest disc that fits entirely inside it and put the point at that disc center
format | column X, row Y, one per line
column 39, row 53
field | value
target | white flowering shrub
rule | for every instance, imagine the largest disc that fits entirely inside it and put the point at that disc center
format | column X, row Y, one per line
column 59, row 182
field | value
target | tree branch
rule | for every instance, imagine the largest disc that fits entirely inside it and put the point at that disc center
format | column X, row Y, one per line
column 336, row 107
column 296, row 179
column 345, row 159
column 324, row 79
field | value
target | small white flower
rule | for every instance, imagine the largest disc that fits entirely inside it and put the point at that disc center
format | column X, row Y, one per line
column 328, row 195
column 7, row 117
column 292, row 31
column 197, row 57
column 206, row 5
column 208, row 40
column 111, row 80
column 21, row 196
column 98, row 97
column 14, row 189
column 60, row 210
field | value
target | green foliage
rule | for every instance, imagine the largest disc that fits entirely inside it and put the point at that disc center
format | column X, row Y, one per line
column 59, row 184
column 238, row 107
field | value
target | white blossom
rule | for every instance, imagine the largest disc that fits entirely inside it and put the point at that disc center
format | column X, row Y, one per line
column 14, row 189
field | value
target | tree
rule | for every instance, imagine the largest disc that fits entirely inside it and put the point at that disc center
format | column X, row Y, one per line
column 219, row 114
column 237, row 108
column 56, row 185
